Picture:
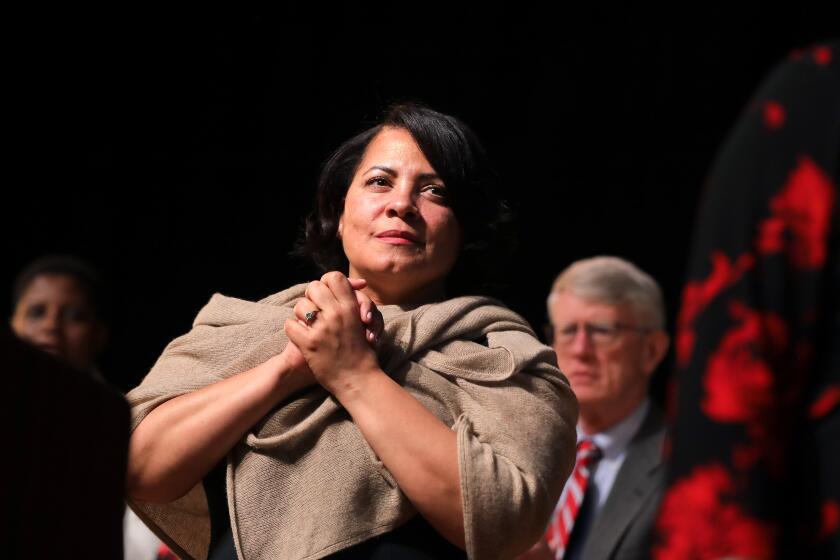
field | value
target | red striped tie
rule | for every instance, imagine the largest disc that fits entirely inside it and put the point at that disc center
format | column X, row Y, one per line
column 563, row 519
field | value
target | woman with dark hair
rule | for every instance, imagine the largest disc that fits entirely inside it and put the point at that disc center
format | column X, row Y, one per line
column 366, row 414
column 58, row 305
column 455, row 153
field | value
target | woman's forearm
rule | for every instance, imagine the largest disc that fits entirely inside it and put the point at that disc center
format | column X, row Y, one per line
column 180, row 441
column 419, row 450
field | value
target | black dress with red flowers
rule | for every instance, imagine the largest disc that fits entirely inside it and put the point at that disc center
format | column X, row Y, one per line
column 755, row 456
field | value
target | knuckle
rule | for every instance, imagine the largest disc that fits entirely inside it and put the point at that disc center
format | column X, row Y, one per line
column 314, row 285
column 332, row 275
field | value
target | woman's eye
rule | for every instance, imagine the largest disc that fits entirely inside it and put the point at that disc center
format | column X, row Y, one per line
column 77, row 315
column 377, row 181
column 436, row 190
column 36, row 311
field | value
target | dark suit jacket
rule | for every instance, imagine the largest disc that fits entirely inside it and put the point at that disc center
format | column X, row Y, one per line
column 624, row 525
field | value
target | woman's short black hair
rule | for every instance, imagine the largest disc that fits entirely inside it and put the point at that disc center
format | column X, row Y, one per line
column 65, row 265
column 457, row 156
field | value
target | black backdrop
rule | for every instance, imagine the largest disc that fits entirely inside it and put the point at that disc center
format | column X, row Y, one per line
column 179, row 156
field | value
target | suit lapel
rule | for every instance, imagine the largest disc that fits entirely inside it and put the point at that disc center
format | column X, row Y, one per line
column 635, row 481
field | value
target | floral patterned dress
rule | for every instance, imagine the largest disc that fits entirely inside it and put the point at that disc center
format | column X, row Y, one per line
column 755, row 454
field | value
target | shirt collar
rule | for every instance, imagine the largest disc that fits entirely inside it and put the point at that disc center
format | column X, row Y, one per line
column 612, row 442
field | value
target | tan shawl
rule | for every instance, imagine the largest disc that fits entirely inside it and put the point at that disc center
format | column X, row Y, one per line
column 304, row 483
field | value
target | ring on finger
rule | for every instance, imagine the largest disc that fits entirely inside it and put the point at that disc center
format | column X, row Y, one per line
column 309, row 316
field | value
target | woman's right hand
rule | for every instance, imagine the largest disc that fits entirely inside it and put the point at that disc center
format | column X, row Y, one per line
column 371, row 319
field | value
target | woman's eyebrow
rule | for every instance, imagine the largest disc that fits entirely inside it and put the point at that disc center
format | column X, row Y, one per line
column 392, row 173
column 428, row 177
column 387, row 170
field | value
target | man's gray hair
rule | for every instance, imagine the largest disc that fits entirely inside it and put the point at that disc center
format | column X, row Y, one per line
column 613, row 281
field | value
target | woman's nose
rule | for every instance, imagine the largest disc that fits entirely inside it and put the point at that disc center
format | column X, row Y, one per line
column 402, row 203
column 51, row 321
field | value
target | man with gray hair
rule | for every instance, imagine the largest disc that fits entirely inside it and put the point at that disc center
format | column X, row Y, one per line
column 608, row 329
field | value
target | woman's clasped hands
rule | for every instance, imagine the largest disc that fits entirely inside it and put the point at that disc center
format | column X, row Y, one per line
column 335, row 331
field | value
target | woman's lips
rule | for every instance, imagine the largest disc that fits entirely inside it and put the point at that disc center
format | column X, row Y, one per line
column 397, row 237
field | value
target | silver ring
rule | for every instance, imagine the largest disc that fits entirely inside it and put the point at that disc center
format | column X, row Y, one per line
column 309, row 316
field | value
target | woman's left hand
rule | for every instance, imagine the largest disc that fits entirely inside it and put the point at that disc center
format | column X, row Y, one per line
column 336, row 344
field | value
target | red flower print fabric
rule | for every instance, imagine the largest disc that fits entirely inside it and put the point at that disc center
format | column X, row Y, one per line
column 698, row 294
column 746, row 396
column 754, row 466
column 702, row 521
column 801, row 217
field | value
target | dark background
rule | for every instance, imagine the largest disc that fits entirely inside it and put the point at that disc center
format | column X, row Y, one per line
column 180, row 155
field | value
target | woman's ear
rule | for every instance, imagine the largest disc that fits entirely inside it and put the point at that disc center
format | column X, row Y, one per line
column 340, row 226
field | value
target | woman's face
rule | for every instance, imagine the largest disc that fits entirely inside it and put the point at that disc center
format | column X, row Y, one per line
column 54, row 314
column 398, row 228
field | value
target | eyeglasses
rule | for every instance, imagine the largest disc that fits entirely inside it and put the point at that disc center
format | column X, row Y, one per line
column 601, row 334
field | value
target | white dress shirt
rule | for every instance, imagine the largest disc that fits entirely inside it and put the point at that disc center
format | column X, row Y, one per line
column 613, row 445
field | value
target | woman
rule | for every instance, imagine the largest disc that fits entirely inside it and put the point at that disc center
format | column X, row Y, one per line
column 441, row 435
column 57, row 304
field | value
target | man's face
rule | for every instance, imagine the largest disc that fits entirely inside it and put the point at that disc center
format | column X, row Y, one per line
column 604, row 353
